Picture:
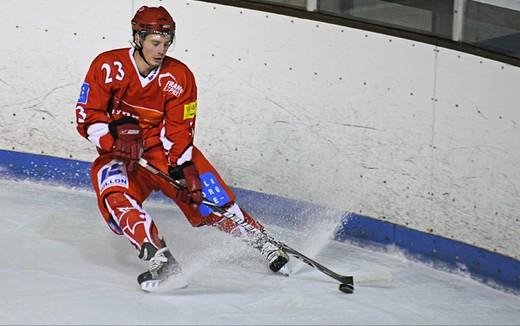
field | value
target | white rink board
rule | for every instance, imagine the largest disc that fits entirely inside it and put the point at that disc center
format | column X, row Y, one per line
column 476, row 177
column 312, row 111
column 51, row 44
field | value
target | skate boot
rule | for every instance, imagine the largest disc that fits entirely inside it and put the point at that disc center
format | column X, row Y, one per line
column 275, row 256
column 162, row 268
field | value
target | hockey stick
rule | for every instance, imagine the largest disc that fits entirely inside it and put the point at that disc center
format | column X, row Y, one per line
column 347, row 282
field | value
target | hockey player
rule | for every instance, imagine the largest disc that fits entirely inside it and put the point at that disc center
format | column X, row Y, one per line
column 139, row 103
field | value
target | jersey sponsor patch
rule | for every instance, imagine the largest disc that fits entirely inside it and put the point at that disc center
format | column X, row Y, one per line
column 173, row 88
column 83, row 95
column 213, row 192
column 171, row 85
column 190, row 110
column 111, row 175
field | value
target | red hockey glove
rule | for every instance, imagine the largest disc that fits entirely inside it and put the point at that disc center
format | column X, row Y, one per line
column 188, row 175
column 128, row 141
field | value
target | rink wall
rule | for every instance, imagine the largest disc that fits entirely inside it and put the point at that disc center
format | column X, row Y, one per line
column 407, row 135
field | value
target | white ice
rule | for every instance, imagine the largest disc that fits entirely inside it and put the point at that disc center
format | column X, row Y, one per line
column 60, row 264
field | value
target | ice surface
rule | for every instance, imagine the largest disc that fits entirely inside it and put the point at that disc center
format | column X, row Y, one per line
column 62, row 265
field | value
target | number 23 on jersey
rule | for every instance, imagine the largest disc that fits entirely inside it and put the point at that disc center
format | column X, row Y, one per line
column 107, row 69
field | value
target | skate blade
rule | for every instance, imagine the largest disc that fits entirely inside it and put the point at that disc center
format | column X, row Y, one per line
column 285, row 270
column 170, row 284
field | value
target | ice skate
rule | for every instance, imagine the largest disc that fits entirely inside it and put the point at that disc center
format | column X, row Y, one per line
column 275, row 256
column 164, row 272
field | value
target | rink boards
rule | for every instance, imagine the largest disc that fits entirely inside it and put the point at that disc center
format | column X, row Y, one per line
column 486, row 266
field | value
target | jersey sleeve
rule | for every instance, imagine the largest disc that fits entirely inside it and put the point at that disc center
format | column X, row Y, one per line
column 92, row 117
column 179, row 122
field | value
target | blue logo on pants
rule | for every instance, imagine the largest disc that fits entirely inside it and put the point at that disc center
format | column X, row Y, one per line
column 213, row 192
column 112, row 174
column 114, row 169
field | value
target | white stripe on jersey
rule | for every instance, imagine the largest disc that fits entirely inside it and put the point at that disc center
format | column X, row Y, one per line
column 167, row 144
column 186, row 156
column 96, row 131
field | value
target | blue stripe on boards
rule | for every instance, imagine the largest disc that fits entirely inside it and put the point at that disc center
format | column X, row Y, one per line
column 44, row 168
column 482, row 264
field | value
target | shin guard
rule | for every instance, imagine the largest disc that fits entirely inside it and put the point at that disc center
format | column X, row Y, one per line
column 133, row 220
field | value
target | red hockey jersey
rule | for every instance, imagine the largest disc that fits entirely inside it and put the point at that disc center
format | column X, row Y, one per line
column 164, row 103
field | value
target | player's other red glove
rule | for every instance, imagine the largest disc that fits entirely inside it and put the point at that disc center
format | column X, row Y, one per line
column 188, row 175
column 128, row 141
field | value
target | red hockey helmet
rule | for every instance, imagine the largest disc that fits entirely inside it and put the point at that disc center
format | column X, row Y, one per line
column 154, row 20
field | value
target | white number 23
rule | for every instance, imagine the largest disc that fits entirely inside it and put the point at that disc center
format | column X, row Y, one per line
column 120, row 72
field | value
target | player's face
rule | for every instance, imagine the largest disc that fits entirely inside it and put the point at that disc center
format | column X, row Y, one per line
column 155, row 47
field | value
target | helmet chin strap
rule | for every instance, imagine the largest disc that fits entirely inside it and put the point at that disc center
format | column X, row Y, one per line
column 140, row 51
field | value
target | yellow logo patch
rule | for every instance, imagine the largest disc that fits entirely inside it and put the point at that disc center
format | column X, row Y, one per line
column 190, row 110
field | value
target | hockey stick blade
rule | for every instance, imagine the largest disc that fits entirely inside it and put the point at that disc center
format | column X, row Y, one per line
column 347, row 282
column 343, row 279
